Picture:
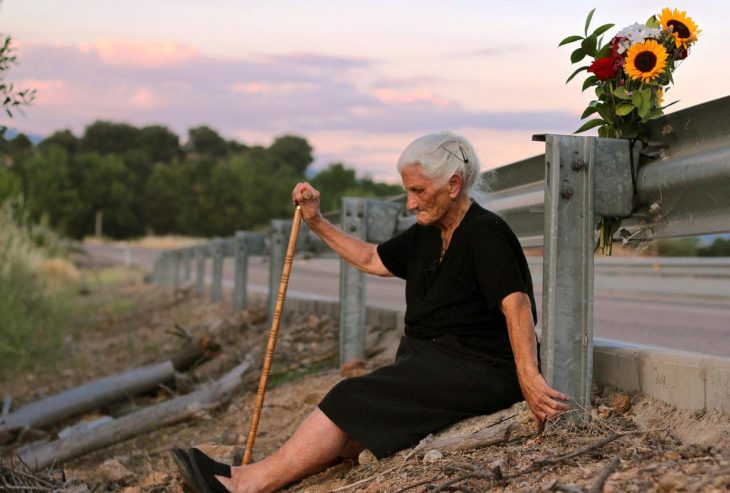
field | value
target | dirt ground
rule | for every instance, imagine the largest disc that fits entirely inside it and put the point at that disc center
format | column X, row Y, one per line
column 632, row 443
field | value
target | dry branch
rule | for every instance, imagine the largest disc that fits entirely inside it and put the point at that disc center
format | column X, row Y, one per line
column 484, row 438
column 131, row 425
column 601, row 480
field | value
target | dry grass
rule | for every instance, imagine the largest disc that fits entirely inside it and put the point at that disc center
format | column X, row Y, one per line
column 153, row 242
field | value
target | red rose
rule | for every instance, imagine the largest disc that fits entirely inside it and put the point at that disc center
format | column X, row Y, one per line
column 604, row 68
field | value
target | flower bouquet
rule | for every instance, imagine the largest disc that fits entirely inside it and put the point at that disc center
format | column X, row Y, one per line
column 631, row 74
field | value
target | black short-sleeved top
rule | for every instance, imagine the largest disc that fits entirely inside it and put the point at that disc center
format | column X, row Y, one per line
column 461, row 294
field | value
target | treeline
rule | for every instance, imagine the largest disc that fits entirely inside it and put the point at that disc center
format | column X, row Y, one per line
column 692, row 246
column 133, row 181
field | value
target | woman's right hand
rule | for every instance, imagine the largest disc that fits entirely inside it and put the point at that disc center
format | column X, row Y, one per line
column 307, row 197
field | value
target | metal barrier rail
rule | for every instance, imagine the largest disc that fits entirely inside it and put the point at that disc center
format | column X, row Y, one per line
column 682, row 185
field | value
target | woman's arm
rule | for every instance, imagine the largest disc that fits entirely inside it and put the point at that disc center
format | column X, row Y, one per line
column 543, row 400
column 360, row 254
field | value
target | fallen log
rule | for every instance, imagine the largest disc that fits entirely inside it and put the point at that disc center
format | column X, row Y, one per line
column 131, row 425
column 85, row 398
column 105, row 390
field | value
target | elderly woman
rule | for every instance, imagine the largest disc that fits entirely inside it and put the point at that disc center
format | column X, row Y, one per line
column 469, row 346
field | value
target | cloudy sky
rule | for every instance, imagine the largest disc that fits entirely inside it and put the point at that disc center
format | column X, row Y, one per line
column 359, row 80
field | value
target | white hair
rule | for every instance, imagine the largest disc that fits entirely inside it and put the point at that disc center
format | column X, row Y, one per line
column 443, row 155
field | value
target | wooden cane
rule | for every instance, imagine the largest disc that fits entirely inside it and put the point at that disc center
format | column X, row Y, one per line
column 273, row 333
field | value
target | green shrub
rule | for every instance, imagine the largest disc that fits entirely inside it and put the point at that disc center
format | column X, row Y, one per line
column 32, row 317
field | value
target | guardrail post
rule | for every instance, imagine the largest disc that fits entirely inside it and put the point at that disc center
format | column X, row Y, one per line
column 165, row 268
column 175, row 257
column 352, row 285
column 578, row 169
column 200, row 252
column 567, row 305
column 280, row 229
column 239, row 281
column 187, row 254
column 216, row 289
column 156, row 271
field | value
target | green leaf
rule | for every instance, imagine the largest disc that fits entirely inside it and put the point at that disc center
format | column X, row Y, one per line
column 604, row 51
column 604, row 131
column 577, row 55
column 653, row 114
column 602, row 29
column 589, row 125
column 588, row 112
column 589, row 82
column 588, row 20
column 624, row 109
column 620, row 92
column 570, row 39
column 576, row 73
column 589, row 45
column 636, row 98
column 645, row 106
column 605, row 111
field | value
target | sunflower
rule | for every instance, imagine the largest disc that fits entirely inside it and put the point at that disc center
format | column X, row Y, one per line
column 646, row 61
column 660, row 96
column 681, row 27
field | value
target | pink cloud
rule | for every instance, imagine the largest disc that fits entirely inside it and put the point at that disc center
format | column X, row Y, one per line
column 48, row 91
column 141, row 53
column 271, row 88
column 143, row 98
column 406, row 97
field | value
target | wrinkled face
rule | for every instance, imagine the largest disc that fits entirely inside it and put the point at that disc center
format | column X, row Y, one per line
column 430, row 203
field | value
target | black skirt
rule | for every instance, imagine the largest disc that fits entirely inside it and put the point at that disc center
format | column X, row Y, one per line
column 431, row 384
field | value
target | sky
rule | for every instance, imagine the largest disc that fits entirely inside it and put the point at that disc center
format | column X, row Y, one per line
column 359, row 80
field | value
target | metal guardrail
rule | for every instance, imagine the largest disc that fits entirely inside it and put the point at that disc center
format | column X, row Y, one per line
column 552, row 200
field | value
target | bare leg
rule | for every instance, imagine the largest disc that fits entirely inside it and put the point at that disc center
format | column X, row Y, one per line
column 316, row 444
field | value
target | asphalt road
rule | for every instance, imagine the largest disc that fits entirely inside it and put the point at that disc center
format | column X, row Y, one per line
column 685, row 313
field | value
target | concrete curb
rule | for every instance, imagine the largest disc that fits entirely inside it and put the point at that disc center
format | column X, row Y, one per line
column 686, row 380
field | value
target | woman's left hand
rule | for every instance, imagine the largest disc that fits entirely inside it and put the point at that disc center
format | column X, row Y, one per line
column 544, row 401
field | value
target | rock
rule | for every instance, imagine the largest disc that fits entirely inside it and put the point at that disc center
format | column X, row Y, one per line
column 432, row 456
column 620, row 403
column 132, row 489
column 113, row 471
column 354, row 368
column 672, row 481
column 157, row 478
column 366, row 457
column 671, row 455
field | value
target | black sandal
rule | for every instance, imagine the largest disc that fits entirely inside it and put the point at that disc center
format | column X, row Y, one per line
column 182, row 461
column 205, row 471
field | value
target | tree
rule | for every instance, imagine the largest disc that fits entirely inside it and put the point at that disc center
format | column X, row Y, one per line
column 166, row 195
column 63, row 139
column 720, row 247
column 205, row 141
column 52, row 196
column 109, row 138
column 292, row 151
column 337, row 181
column 19, row 145
column 159, row 143
column 332, row 183
column 106, row 193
